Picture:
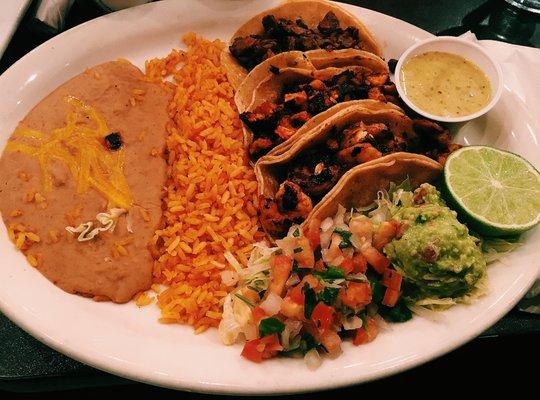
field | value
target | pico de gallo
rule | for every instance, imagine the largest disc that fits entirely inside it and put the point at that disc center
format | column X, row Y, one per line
column 345, row 277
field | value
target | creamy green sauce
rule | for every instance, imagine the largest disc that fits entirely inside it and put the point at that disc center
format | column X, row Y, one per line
column 445, row 84
column 436, row 253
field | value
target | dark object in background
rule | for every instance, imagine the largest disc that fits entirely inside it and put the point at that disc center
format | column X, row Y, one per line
column 50, row 16
column 26, row 365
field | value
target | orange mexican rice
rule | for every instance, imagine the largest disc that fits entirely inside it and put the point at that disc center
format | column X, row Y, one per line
column 211, row 192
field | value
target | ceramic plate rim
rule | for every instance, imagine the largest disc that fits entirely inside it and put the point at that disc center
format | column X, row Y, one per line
column 18, row 314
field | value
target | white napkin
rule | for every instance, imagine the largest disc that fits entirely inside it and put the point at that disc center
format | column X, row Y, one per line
column 521, row 73
column 521, row 69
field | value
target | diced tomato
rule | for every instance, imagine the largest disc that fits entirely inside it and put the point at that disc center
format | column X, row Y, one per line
column 347, row 266
column 319, row 266
column 331, row 341
column 322, row 316
column 257, row 350
column 392, row 279
column 391, row 297
column 281, row 267
column 367, row 333
column 258, row 313
column 363, row 228
column 386, row 232
column 292, row 309
column 311, row 281
column 359, row 263
column 311, row 231
column 356, row 294
column 401, row 227
column 375, row 258
column 250, row 294
column 296, row 294
column 304, row 256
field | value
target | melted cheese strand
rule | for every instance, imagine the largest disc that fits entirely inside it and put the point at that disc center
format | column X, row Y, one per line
column 79, row 147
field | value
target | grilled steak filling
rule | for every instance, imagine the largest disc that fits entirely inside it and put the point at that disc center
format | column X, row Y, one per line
column 274, row 122
column 281, row 34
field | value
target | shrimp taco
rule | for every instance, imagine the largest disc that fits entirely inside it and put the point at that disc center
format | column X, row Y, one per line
column 288, row 94
column 323, row 164
column 294, row 25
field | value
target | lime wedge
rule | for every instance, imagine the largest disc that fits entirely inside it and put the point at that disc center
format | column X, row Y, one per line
column 498, row 191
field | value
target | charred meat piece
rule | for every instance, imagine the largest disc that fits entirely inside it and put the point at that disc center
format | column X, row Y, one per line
column 358, row 154
column 298, row 102
column 434, row 140
column 260, row 147
column 281, row 34
column 252, row 50
column 315, row 172
column 290, row 206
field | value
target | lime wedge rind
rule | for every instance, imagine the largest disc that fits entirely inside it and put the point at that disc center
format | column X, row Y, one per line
column 469, row 181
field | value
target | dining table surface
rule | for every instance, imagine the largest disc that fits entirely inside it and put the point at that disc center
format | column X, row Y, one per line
column 507, row 352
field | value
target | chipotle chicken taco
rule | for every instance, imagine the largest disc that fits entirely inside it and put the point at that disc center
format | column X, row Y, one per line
column 81, row 180
column 323, row 163
column 294, row 25
column 283, row 100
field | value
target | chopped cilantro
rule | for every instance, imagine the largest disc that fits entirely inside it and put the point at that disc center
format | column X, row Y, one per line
column 310, row 300
column 245, row 300
column 345, row 238
column 377, row 291
column 329, row 295
column 296, row 233
column 399, row 313
column 330, row 274
column 297, row 250
column 269, row 326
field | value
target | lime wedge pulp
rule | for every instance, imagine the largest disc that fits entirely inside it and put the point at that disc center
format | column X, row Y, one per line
column 498, row 191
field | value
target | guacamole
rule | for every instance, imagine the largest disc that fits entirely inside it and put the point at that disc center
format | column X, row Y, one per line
column 435, row 254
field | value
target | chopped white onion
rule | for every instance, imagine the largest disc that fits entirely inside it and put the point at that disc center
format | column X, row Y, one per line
column 327, row 224
column 325, row 239
column 434, row 316
column 272, row 304
column 233, row 261
column 294, row 326
column 339, row 217
column 351, row 323
column 293, row 280
column 287, row 245
column 356, row 240
column 229, row 278
column 313, row 359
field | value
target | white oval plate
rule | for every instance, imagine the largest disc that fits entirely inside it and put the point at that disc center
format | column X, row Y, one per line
column 128, row 341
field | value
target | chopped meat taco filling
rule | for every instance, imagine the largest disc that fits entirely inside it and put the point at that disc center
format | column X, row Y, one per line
column 313, row 172
column 274, row 122
column 282, row 34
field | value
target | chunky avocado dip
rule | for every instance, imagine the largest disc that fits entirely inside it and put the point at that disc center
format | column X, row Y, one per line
column 436, row 255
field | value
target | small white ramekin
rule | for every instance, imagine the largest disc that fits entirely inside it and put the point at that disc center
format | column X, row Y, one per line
column 464, row 48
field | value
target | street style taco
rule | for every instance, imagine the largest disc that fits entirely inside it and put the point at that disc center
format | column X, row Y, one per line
column 324, row 160
column 294, row 25
column 278, row 98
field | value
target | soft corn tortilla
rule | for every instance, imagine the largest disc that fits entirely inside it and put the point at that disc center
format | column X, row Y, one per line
column 359, row 186
column 91, row 268
column 312, row 12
